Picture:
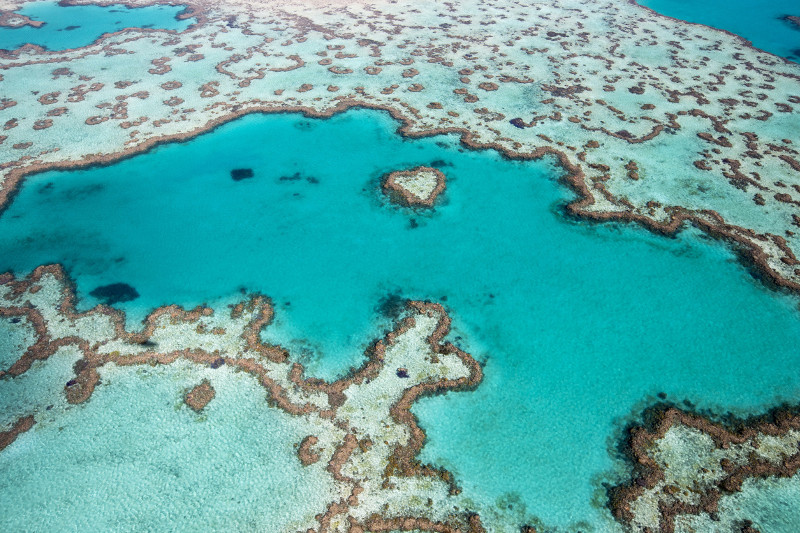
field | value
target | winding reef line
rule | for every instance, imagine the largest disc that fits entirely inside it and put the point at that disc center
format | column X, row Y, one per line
column 283, row 380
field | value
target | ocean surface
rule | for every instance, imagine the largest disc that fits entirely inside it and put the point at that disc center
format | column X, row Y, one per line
column 75, row 26
column 759, row 21
column 579, row 325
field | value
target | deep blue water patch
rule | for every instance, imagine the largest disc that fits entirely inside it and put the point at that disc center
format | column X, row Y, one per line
column 75, row 26
column 763, row 22
column 579, row 325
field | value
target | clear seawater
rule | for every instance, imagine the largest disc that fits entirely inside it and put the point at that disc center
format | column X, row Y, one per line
column 759, row 21
column 579, row 325
column 75, row 26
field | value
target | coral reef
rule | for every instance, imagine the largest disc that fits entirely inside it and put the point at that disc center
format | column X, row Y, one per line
column 199, row 396
column 416, row 187
column 685, row 463
column 365, row 432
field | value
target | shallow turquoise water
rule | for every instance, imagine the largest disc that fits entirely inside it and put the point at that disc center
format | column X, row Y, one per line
column 76, row 26
column 579, row 325
column 758, row 21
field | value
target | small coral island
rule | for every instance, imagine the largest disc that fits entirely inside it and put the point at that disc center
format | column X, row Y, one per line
column 417, row 187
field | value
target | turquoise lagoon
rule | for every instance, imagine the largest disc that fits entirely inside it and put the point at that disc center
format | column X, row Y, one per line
column 758, row 21
column 75, row 26
column 579, row 325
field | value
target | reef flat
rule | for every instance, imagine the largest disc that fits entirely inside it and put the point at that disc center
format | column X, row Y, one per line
column 656, row 121
column 768, row 26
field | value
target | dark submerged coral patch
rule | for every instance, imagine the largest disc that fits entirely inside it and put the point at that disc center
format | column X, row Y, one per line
column 239, row 174
column 115, row 293
column 792, row 20
column 391, row 305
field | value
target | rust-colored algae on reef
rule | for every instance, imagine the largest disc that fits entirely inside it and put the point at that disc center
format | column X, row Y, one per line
column 20, row 426
column 8, row 19
column 306, row 452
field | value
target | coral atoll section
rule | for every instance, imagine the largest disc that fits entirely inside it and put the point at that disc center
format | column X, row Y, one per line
column 653, row 120
column 10, row 19
column 365, row 433
column 685, row 463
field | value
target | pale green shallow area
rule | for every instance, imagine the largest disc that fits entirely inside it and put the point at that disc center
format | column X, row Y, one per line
column 771, row 504
column 579, row 325
column 135, row 458
column 40, row 387
column 15, row 336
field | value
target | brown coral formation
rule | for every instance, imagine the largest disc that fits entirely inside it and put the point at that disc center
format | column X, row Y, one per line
column 305, row 451
column 200, row 395
column 160, row 66
column 409, row 523
column 9, row 19
column 723, row 457
column 416, row 187
column 633, row 170
column 20, row 426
